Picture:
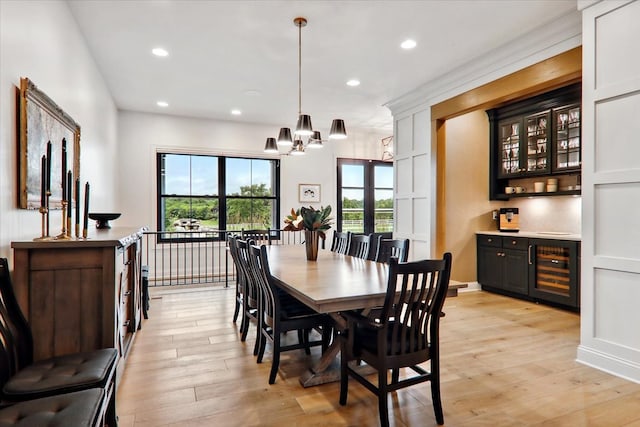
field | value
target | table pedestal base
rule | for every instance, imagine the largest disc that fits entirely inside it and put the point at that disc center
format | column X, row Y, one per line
column 327, row 370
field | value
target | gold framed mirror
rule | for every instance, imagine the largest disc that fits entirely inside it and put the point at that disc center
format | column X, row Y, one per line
column 42, row 120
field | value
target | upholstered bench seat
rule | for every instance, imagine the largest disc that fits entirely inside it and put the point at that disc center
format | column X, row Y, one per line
column 78, row 409
column 61, row 374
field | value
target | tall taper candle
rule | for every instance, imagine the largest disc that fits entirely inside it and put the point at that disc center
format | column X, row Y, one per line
column 77, row 200
column 69, row 193
column 43, row 182
column 48, row 166
column 65, row 188
column 85, row 227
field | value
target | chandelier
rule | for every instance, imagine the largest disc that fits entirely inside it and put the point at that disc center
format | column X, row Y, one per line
column 303, row 127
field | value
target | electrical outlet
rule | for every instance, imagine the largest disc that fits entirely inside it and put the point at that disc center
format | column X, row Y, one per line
column 494, row 215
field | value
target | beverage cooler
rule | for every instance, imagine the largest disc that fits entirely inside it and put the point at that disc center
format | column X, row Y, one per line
column 554, row 269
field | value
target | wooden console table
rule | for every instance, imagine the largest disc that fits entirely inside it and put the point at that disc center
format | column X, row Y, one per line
column 80, row 295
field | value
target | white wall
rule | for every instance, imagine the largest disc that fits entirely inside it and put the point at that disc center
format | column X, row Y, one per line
column 142, row 135
column 40, row 40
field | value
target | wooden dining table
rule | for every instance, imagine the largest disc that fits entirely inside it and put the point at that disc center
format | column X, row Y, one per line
column 332, row 284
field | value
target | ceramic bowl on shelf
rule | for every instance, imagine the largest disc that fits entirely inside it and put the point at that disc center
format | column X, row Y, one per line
column 102, row 219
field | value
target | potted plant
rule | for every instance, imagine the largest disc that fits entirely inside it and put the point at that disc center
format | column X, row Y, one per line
column 314, row 223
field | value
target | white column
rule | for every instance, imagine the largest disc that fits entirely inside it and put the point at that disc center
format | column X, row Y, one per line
column 610, row 293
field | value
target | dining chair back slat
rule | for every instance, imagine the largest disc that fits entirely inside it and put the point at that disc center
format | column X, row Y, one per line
column 340, row 242
column 388, row 248
column 359, row 245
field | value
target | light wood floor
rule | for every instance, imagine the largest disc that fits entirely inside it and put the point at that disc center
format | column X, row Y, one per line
column 505, row 363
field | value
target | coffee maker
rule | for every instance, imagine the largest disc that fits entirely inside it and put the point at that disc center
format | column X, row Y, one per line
column 508, row 219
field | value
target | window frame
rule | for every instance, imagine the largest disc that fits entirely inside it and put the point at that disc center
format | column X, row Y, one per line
column 221, row 196
column 369, row 192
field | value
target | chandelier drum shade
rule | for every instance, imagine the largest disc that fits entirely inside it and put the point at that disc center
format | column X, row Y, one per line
column 304, row 127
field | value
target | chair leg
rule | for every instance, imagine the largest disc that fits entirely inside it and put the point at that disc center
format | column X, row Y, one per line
column 395, row 375
column 344, row 376
column 256, row 346
column 307, row 348
column 276, row 357
column 262, row 346
column 382, row 398
column 236, row 310
column 326, row 337
column 111, row 417
column 435, row 392
column 244, row 325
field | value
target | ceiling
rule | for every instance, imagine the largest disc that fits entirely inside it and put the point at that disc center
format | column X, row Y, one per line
column 226, row 55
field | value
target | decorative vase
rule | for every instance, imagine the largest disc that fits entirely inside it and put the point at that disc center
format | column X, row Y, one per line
column 311, row 242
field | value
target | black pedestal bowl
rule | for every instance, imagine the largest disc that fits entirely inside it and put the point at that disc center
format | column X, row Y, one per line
column 102, row 219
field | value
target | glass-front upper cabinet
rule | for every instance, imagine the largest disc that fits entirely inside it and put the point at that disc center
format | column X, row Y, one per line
column 538, row 148
column 567, row 138
column 509, row 141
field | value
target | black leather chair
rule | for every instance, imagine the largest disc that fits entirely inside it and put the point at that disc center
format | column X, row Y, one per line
column 340, row 242
column 359, row 245
column 387, row 248
column 22, row 379
column 280, row 313
column 405, row 335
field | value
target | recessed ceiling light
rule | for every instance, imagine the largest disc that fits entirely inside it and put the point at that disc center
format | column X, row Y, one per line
column 408, row 44
column 353, row 82
column 162, row 104
column 158, row 51
column 236, row 112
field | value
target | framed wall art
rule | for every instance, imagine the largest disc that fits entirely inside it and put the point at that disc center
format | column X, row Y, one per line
column 309, row 193
column 41, row 121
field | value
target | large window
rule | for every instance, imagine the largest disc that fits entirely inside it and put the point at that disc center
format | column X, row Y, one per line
column 365, row 196
column 203, row 193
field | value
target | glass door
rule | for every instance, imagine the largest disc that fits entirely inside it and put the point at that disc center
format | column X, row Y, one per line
column 567, row 135
column 538, row 152
column 553, row 274
column 509, row 143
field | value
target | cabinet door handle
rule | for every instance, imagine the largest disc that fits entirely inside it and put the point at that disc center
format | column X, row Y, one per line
column 529, row 254
column 555, row 261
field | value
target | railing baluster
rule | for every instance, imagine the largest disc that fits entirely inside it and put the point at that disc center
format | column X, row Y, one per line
column 194, row 257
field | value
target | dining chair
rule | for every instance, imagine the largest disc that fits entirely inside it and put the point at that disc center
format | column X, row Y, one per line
column 240, row 278
column 261, row 237
column 250, row 293
column 405, row 335
column 387, row 248
column 340, row 242
column 23, row 379
column 359, row 245
column 280, row 312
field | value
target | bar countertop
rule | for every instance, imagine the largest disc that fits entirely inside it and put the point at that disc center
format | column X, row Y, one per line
column 556, row 235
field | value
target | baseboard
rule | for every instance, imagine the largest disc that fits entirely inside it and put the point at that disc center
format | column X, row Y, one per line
column 471, row 286
column 605, row 362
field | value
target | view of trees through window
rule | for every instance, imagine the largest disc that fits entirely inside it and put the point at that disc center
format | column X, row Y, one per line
column 205, row 193
column 365, row 191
